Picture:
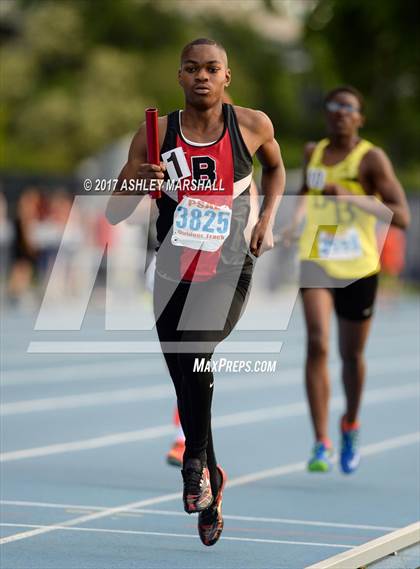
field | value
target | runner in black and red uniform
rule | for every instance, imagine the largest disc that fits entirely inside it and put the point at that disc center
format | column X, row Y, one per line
column 204, row 263
column 175, row 454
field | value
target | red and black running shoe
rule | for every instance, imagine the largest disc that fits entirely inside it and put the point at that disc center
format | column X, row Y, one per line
column 197, row 494
column 210, row 521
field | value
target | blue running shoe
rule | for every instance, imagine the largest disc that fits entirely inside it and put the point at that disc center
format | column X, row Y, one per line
column 320, row 460
column 350, row 454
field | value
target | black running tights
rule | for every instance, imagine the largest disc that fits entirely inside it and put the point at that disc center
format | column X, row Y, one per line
column 191, row 319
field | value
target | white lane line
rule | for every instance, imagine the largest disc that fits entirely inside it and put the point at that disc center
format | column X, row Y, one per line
column 286, row 521
column 143, row 511
column 86, row 444
column 225, row 383
column 94, row 399
column 53, row 505
column 80, row 372
column 90, row 517
column 372, row 397
column 150, row 393
column 254, row 382
column 184, row 535
column 368, row 450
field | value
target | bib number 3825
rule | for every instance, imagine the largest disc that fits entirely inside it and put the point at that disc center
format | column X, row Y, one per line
column 201, row 225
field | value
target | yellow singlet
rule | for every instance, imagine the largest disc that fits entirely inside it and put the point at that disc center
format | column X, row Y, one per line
column 339, row 236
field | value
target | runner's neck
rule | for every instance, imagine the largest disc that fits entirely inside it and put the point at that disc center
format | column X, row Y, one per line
column 202, row 126
column 343, row 142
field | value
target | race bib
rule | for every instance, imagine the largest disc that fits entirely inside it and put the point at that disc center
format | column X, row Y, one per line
column 339, row 246
column 176, row 164
column 316, row 178
column 200, row 225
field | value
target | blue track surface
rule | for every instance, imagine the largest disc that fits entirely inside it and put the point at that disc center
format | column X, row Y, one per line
column 116, row 411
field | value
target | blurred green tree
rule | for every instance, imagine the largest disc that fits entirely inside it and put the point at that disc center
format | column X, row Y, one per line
column 376, row 47
column 76, row 74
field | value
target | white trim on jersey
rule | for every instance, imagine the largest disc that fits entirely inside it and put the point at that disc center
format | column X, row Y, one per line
column 190, row 142
column 241, row 185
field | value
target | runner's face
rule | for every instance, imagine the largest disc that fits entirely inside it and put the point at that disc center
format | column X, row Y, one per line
column 204, row 75
column 343, row 114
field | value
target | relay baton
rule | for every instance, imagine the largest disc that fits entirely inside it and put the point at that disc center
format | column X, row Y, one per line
column 153, row 150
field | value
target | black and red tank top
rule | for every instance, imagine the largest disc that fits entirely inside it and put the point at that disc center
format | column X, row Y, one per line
column 219, row 172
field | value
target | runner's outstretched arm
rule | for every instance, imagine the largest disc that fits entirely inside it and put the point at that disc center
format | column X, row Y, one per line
column 272, row 183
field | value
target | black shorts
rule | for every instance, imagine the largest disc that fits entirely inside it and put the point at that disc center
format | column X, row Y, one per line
column 352, row 300
column 200, row 314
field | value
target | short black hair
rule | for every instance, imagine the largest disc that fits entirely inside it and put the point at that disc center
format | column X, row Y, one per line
column 346, row 89
column 201, row 41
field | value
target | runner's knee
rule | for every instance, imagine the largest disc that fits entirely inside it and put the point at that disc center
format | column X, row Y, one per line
column 317, row 345
column 352, row 358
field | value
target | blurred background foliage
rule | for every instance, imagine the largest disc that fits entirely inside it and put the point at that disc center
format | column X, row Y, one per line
column 77, row 74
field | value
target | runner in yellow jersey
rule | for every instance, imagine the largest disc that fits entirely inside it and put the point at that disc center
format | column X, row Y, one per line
column 345, row 180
